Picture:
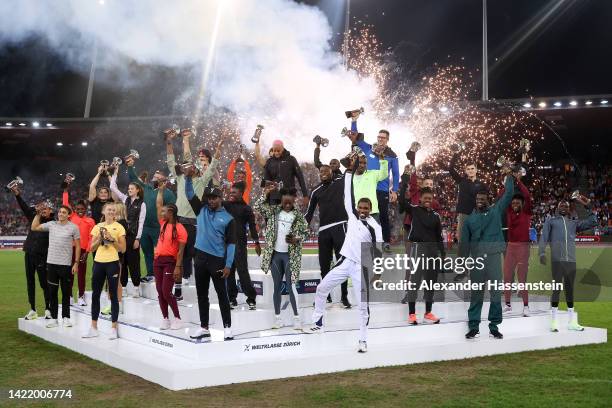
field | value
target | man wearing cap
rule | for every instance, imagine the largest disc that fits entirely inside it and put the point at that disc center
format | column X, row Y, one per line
column 283, row 167
column 186, row 216
column 214, row 254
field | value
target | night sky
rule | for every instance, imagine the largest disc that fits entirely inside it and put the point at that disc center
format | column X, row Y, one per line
column 568, row 54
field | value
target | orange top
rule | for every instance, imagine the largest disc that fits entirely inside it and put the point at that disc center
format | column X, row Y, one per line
column 165, row 245
column 85, row 224
column 246, row 196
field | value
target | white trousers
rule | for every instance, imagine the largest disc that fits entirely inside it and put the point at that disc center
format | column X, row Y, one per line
column 339, row 273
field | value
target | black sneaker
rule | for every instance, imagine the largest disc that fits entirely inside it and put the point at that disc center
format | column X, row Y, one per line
column 147, row 279
column 233, row 304
column 472, row 334
column 178, row 298
column 252, row 304
column 329, row 299
column 387, row 248
column 496, row 334
column 345, row 302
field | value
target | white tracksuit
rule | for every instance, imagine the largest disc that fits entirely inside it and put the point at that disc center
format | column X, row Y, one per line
column 349, row 265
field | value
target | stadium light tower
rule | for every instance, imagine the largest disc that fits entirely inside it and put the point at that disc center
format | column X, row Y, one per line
column 347, row 29
column 485, row 57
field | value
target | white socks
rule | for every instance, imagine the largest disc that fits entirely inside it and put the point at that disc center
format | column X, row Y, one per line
column 554, row 312
column 570, row 311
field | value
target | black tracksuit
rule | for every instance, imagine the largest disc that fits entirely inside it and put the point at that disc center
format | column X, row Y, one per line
column 285, row 169
column 466, row 197
column 35, row 247
column 426, row 237
column 243, row 216
column 327, row 196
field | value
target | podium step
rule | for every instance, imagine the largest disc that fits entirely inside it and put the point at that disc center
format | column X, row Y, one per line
column 176, row 362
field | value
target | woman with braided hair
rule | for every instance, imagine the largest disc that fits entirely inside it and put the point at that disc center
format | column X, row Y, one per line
column 168, row 258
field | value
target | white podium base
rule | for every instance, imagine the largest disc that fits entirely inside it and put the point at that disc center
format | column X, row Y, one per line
column 173, row 360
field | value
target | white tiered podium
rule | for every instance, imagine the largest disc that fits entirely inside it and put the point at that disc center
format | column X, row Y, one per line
column 173, row 360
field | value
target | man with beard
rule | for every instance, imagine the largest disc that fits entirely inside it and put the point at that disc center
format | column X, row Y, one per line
column 482, row 237
column 332, row 223
column 560, row 232
column 36, row 247
column 243, row 217
column 283, row 167
column 150, row 231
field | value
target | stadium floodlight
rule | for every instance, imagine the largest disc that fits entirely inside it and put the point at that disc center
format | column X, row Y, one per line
column 542, row 104
column 527, row 105
column 588, row 103
column 49, row 124
column 557, row 104
column 9, row 124
column 573, row 103
column 35, row 124
column 604, row 102
column 401, row 111
column 22, row 124
column 83, row 143
column 59, row 144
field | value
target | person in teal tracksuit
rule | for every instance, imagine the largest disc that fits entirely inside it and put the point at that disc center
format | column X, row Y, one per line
column 150, row 231
column 482, row 237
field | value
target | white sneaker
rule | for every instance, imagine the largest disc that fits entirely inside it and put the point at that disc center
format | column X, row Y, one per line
column 91, row 332
column 227, row 334
column 136, row 292
column 363, row 347
column 176, row 324
column 297, row 323
column 66, row 322
column 201, row 333
column 48, row 314
column 165, row 324
column 52, row 323
column 278, row 322
column 32, row 315
column 184, row 282
column 114, row 335
column 507, row 309
column 526, row 312
column 82, row 301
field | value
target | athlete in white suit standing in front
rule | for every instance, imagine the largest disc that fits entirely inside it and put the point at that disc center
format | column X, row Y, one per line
column 361, row 228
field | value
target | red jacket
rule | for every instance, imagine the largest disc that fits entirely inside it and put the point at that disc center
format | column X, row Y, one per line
column 85, row 224
column 415, row 198
column 518, row 224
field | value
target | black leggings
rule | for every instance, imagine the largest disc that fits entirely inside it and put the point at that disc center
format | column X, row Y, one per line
column 330, row 242
column 131, row 263
column 36, row 263
column 101, row 272
column 59, row 275
column 564, row 272
column 207, row 267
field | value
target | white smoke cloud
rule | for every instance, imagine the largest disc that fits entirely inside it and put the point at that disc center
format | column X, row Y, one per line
column 272, row 61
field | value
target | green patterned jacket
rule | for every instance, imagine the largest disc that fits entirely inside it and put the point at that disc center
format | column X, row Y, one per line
column 299, row 229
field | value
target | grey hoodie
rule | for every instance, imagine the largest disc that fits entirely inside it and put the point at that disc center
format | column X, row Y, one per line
column 560, row 232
